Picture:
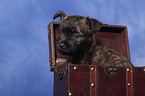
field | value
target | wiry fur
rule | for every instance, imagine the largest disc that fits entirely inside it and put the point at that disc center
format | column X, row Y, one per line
column 77, row 39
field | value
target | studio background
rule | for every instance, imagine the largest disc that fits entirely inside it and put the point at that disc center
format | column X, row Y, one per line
column 24, row 66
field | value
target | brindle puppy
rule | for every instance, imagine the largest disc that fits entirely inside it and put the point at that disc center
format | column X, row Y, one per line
column 77, row 39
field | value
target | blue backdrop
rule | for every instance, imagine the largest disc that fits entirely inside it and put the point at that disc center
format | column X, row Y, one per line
column 24, row 67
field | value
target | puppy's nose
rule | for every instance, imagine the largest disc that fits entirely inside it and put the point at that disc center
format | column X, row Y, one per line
column 62, row 45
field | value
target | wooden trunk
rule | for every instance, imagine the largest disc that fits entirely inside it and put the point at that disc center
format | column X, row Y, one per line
column 91, row 80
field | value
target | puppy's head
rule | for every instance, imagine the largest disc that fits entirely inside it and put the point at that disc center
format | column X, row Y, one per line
column 75, row 33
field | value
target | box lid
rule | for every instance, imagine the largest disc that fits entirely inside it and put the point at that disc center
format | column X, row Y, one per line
column 114, row 37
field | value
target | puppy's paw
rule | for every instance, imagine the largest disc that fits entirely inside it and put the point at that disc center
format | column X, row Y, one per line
column 61, row 61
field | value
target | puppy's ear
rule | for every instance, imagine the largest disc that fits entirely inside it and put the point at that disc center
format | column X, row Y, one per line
column 60, row 14
column 94, row 24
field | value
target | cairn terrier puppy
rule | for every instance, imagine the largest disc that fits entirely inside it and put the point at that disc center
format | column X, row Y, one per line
column 77, row 38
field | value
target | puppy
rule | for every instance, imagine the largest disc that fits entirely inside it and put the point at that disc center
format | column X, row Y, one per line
column 77, row 38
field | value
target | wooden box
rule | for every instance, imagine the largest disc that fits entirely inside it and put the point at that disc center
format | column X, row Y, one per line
column 91, row 80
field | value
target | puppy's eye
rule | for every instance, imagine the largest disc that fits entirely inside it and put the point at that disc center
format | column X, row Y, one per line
column 76, row 35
